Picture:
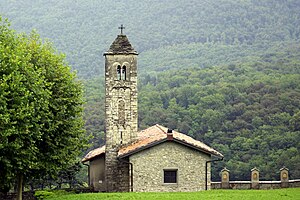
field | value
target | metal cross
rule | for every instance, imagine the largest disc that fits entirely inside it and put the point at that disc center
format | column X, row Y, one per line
column 121, row 27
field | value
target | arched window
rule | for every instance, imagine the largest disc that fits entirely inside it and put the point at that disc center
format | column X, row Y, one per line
column 124, row 72
column 119, row 72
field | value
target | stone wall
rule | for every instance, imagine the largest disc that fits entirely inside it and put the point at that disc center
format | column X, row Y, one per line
column 255, row 183
column 120, row 116
column 148, row 167
column 117, row 173
column 264, row 185
column 120, row 100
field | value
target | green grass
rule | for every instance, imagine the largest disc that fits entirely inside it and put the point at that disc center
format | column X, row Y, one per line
column 279, row 194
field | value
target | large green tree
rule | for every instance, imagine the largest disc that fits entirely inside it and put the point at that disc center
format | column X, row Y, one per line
column 41, row 126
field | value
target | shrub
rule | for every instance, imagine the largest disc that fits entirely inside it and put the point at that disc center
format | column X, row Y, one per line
column 42, row 194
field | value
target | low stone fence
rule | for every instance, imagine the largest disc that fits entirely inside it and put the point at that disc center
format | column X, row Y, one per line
column 240, row 185
column 255, row 183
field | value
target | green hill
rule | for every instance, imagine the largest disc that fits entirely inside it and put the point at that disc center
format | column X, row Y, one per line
column 223, row 71
column 248, row 111
column 167, row 34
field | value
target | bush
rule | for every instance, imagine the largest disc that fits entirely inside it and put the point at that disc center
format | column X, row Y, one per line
column 42, row 194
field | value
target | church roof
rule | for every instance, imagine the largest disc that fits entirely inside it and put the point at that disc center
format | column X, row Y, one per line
column 158, row 134
column 152, row 136
column 94, row 153
column 121, row 45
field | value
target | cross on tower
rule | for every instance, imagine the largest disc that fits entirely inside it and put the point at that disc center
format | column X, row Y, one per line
column 121, row 27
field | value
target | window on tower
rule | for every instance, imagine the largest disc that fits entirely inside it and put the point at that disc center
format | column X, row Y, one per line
column 121, row 112
column 119, row 72
column 124, row 72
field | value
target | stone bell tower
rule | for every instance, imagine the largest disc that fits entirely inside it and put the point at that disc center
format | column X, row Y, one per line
column 120, row 109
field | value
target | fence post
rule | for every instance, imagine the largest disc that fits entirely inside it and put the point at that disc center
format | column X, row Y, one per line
column 284, row 177
column 225, row 178
column 254, row 178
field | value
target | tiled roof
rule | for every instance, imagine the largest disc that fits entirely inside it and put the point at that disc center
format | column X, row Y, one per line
column 121, row 45
column 150, row 137
column 157, row 134
column 146, row 137
column 94, row 153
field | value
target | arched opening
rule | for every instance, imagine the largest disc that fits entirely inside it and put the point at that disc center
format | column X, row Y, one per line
column 119, row 72
column 124, row 72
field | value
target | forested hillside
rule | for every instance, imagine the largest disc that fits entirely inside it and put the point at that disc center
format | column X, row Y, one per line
column 248, row 111
column 167, row 34
column 223, row 71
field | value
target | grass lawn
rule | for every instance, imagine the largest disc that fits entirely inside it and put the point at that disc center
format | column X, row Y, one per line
column 280, row 194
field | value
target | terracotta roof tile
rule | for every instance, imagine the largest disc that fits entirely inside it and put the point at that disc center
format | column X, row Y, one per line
column 196, row 143
column 145, row 137
column 151, row 136
column 158, row 133
column 93, row 153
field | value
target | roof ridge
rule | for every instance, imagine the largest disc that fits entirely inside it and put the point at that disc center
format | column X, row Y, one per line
column 160, row 128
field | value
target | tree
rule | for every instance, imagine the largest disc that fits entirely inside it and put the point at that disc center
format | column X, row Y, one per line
column 41, row 126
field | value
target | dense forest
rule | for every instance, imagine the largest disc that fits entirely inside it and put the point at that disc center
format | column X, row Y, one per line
column 248, row 111
column 225, row 72
column 178, row 34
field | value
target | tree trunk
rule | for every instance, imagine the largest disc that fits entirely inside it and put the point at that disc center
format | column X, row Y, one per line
column 19, row 187
column 31, row 187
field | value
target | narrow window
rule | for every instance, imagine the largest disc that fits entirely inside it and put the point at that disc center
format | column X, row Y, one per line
column 121, row 138
column 121, row 112
column 124, row 73
column 119, row 72
column 170, row 175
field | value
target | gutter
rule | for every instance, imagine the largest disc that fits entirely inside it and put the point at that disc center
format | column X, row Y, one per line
column 131, row 172
column 206, row 165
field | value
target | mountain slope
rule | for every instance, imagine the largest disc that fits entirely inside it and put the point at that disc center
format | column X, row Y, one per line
column 248, row 111
column 85, row 29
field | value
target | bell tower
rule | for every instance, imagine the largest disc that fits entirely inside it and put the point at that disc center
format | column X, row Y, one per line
column 120, row 108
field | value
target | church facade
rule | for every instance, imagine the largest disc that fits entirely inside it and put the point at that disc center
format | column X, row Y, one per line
column 154, row 159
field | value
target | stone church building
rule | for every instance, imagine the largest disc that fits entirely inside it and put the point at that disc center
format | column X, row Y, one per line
column 154, row 159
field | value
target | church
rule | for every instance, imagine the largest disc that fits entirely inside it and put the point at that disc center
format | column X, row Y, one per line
column 151, row 160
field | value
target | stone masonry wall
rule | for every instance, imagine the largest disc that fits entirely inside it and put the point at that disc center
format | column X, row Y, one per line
column 121, row 117
column 120, row 100
column 148, row 166
column 255, row 183
column 263, row 185
column 116, row 173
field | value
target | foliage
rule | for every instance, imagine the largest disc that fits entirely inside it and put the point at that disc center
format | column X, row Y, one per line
column 45, row 194
column 71, row 177
column 94, row 94
column 292, row 193
column 243, row 107
column 168, row 34
column 41, row 108
column 40, row 195
column 248, row 111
